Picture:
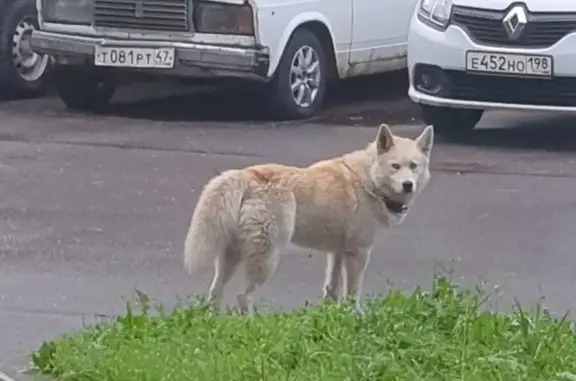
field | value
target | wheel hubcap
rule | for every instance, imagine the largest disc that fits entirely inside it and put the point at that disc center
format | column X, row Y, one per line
column 305, row 76
column 29, row 64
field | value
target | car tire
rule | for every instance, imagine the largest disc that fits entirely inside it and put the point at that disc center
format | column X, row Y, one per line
column 83, row 91
column 451, row 122
column 303, row 52
column 22, row 71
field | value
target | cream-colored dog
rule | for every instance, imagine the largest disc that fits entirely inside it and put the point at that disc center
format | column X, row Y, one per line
column 338, row 206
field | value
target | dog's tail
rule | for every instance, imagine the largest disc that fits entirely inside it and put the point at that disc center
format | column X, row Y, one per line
column 214, row 220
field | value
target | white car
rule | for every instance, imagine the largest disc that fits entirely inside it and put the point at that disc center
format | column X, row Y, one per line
column 293, row 47
column 467, row 56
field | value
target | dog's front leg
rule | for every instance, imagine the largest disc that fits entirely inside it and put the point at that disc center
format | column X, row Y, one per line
column 355, row 263
column 333, row 277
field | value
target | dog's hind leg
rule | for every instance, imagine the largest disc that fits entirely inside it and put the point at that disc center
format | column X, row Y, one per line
column 260, row 266
column 224, row 269
column 261, row 256
column 333, row 276
column 355, row 263
column 267, row 225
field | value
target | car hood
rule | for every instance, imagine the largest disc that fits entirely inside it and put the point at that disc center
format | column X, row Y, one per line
column 533, row 5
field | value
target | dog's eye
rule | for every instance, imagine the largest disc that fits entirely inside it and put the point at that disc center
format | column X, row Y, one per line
column 413, row 165
column 395, row 166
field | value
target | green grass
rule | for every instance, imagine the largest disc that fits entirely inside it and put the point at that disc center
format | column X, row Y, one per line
column 436, row 335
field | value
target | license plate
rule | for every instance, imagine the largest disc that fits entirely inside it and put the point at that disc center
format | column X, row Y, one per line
column 134, row 57
column 511, row 64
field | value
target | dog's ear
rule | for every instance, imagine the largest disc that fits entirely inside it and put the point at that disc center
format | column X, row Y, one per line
column 426, row 140
column 384, row 138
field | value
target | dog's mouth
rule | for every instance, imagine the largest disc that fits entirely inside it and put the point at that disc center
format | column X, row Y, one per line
column 395, row 206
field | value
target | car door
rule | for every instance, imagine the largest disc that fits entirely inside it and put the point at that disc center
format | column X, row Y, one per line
column 379, row 34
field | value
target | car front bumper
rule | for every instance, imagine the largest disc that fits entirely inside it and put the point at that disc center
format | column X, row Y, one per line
column 445, row 52
column 191, row 59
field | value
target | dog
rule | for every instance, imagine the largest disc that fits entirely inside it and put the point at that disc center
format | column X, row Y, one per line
column 245, row 217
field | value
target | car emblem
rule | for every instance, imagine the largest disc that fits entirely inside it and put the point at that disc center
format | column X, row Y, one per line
column 515, row 21
column 139, row 10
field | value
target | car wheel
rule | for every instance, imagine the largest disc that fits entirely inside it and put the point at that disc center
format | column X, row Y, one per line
column 22, row 71
column 83, row 91
column 451, row 121
column 299, row 83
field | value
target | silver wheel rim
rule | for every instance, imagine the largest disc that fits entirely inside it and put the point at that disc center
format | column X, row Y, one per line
column 305, row 76
column 29, row 64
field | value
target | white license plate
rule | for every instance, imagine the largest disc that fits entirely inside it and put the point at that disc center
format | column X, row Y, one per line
column 511, row 64
column 134, row 57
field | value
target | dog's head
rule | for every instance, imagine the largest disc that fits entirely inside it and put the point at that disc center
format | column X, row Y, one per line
column 400, row 170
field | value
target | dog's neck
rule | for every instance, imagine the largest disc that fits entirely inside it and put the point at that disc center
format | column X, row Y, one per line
column 372, row 190
column 391, row 205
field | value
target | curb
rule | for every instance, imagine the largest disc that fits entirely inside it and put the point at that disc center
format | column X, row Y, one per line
column 5, row 377
column 18, row 369
column 24, row 375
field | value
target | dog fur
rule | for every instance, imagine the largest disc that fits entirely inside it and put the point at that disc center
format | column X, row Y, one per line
column 337, row 206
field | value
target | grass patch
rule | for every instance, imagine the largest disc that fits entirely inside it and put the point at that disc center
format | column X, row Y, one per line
column 436, row 335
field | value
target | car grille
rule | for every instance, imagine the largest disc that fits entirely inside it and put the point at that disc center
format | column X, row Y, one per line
column 157, row 15
column 486, row 27
column 491, row 88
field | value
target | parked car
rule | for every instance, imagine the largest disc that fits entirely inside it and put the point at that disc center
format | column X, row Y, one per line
column 467, row 56
column 291, row 47
column 22, row 71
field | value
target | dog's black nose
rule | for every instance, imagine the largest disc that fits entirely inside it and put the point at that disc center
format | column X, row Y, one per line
column 407, row 186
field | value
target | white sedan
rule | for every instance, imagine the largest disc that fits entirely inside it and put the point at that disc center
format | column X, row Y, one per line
column 466, row 56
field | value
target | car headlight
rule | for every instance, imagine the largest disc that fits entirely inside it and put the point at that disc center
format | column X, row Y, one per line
column 67, row 11
column 221, row 18
column 435, row 13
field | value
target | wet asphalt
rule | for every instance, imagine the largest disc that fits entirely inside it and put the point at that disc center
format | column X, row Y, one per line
column 93, row 207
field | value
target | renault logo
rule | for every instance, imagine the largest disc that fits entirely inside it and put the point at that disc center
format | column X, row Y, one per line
column 515, row 21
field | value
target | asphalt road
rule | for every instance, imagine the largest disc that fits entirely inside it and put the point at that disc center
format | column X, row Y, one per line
column 93, row 207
